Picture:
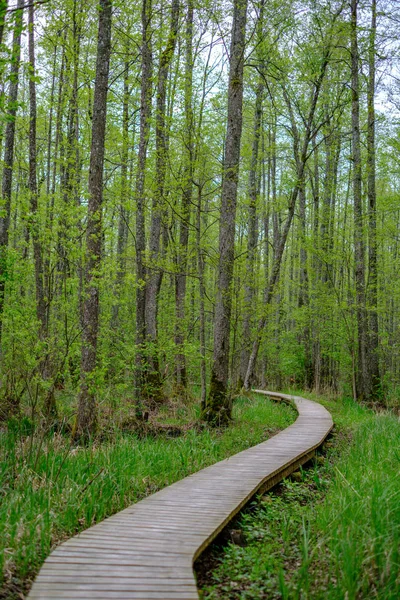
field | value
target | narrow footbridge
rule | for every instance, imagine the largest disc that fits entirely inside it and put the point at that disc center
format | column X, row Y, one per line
column 147, row 551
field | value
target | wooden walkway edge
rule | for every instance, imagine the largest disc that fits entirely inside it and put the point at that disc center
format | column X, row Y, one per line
column 147, row 551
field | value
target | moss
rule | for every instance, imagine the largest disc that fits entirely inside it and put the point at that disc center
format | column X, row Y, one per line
column 218, row 408
column 152, row 389
column 240, row 384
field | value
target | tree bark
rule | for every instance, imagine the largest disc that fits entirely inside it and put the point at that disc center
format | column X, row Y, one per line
column 316, row 344
column 155, row 272
column 276, row 222
column 304, row 296
column 9, row 154
column 50, row 408
column 202, row 293
column 218, row 405
column 47, row 278
column 254, row 185
column 180, row 279
column 87, row 407
column 33, row 189
column 123, row 210
column 373, row 342
column 359, row 244
column 3, row 12
column 145, row 115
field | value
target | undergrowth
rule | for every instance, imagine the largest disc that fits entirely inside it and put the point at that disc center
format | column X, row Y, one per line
column 333, row 531
column 50, row 490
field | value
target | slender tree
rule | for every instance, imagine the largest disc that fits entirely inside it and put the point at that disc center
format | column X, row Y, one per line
column 145, row 115
column 9, row 141
column 182, row 251
column 33, row 188
column 87, row 408
column 123, row 220
column 363, row 375
column 154, row 272
column 252, row 239
column 300, row 150
column 3, row 12
column 218, row 405
column 373, row 342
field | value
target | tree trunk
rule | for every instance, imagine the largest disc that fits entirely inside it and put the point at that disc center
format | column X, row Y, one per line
column 249, row 291
column 52, row 180
column 276, row 223
column 145, row 114
column 154, row 278
column 3, row 12
column 202, row 293
column 304, row 297
column 359, row 245
column 300, row 159
column 50, row 408
column 218, row 405
column 87, row 408
column 316, row 344
column 180, row 279
column 50, row 198
column 9, row 154
column 123, row 210
column 33, row 190
column 70, row 170
column 373, row 342
column 266, row 195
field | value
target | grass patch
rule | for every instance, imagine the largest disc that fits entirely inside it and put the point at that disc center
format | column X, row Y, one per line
column 334, row 532
column 50, row 491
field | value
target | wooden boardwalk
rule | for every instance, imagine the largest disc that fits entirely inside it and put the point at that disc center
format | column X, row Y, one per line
column 147, row 550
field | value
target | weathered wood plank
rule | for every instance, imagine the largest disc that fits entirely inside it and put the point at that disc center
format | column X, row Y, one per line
column 146, row 551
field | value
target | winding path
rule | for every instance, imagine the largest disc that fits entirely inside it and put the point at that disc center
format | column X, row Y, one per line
column 147, row 551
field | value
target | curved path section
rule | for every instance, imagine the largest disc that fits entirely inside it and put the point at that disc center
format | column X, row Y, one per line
column 147, row 551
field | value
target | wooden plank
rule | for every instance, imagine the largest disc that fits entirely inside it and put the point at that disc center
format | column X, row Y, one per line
column 136, row 585
column 146, row 551
column 107, row 595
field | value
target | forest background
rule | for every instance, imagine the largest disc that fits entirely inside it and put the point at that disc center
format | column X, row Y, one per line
column 196, row 197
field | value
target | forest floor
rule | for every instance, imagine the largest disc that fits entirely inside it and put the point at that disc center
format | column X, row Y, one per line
column 51, row 490
column 332, row 530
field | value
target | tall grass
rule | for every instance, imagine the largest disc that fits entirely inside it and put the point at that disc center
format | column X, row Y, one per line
column 334, row 535
column 359, row 521
column 49, row 490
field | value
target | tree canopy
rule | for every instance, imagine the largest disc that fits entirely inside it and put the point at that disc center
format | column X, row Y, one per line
column 196, row 197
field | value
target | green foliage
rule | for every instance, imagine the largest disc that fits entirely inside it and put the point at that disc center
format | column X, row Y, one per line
column 332, row 532
column 285, row 55
column 51, row 490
